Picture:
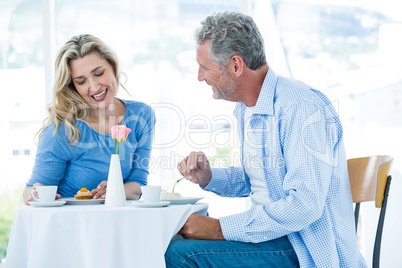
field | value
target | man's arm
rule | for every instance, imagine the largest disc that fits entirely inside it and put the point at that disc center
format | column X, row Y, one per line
column 202, row 228
column 226, row 182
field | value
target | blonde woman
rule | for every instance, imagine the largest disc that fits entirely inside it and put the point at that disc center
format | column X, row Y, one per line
column 75, row 141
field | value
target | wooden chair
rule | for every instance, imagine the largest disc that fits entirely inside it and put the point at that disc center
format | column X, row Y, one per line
column 370, row 181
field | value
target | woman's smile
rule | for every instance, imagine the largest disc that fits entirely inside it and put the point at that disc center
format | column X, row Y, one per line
column 100, row 96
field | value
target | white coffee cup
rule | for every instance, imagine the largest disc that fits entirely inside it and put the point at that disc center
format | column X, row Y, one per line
column 45, row 193
column 153, row 193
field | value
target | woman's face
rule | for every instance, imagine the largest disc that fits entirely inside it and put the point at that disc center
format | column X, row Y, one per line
column 94, row 79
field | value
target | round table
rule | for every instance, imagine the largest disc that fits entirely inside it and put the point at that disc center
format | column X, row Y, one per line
column 95, row 235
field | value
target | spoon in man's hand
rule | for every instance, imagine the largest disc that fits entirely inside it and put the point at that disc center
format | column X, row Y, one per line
column 179, row 180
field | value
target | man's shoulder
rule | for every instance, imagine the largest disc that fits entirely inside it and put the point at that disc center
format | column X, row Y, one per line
column 293, row 96
column 291, row 91
column 289, row 88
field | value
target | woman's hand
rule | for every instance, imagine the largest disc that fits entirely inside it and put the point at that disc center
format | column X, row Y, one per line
column 100, row 191
column 27, row 194
column 199, row 166
column 132, row 190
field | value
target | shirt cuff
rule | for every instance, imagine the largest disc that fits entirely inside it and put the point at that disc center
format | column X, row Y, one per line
column 233, row 227
column 218, row 181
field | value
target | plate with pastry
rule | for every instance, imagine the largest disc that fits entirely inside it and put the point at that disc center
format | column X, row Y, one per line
column 73, row 201
column 83, row 197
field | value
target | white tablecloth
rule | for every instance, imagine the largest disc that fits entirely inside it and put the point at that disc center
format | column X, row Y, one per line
column 94, row 236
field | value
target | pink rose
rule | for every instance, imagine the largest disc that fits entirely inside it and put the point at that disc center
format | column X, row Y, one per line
column 120, row 134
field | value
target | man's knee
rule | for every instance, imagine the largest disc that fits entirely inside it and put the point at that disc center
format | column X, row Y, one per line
column 176, row 253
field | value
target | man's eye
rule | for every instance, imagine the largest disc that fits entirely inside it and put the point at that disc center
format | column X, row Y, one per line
column 99, row 74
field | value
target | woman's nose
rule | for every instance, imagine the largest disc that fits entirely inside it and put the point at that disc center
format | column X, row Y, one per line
column 94, row 86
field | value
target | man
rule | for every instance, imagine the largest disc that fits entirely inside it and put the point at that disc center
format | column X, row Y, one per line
column 293, row 165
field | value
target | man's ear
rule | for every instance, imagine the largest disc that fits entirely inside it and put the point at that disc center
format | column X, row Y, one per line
column 236, row 65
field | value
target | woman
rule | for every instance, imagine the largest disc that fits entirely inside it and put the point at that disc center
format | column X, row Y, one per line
column 75, row 141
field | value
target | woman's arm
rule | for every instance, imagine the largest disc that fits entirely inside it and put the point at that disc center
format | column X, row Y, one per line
column 132, row 190
column 141, row 141
column 52, row 156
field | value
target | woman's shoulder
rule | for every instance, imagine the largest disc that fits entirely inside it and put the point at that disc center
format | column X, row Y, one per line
column 54, row 135
column 139, row 115
column 138, row 108
column 61, row 131
column 135, row 104
column 52, row 129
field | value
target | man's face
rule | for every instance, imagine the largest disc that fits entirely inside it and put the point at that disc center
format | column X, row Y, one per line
column 222, row 83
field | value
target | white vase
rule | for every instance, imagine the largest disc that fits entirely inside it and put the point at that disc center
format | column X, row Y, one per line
column 115, row 195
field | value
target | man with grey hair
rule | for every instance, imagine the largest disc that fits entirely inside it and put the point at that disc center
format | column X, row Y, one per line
column 293, row 165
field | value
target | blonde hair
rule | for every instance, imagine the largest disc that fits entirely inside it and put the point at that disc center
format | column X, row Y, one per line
column 67, row 104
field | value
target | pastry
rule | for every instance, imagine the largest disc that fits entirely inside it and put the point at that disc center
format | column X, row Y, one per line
column 173, row 196
column 83, row 194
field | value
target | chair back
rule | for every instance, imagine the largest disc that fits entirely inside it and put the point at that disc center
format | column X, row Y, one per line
column 370, row 181
column 368, row 177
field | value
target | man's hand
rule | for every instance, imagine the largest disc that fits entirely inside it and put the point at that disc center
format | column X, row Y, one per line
column 202, row 228
column 199, row 166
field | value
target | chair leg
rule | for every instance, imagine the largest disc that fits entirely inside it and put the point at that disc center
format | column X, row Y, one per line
column 357, row 211
column 377, row 244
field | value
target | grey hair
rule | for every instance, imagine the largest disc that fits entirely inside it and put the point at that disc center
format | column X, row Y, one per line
column 232, row 33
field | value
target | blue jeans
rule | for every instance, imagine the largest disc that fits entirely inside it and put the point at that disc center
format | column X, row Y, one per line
column 219, row 253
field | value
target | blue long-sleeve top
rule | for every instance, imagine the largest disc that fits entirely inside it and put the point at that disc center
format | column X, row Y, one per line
column 86, row 163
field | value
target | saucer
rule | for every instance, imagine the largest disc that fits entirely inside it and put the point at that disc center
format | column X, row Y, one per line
column 184, row 200
column 56, row 203
column 141, row 203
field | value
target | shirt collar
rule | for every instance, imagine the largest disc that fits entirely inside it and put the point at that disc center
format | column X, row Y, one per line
column 265, row 101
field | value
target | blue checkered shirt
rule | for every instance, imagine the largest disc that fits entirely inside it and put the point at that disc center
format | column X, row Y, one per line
column 305, row 173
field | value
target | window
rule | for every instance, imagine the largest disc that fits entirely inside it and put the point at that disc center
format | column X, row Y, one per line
column 349, row 50
column 154, row 41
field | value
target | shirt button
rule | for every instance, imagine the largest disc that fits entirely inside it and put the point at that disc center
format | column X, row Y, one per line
column 213, row 189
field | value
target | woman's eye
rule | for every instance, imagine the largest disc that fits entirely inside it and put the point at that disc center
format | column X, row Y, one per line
column 81, row 82
column 99, row 74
